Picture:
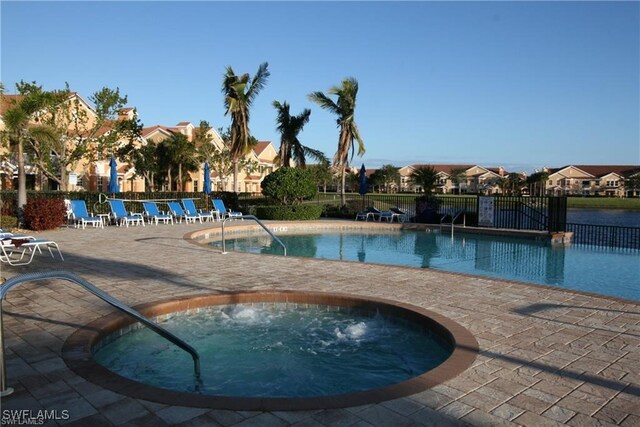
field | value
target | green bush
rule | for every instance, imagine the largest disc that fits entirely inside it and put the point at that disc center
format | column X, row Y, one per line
column 8, row 222
column 44, row 214
column 289, row 213
column 289, row 186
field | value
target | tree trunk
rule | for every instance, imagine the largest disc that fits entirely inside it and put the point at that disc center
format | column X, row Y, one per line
column 235, row 176
column 22, row 184
column 179, row 176
column 169, row 179
column 343, row 199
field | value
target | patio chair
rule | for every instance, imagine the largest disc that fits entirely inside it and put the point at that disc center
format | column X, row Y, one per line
column 179, row 213
column 13, row 250
column 190, row 208
column 120, row 215
column 401, row 215
column 218, row 206
column 153, row 214
column 366, row 214
column 81, row 217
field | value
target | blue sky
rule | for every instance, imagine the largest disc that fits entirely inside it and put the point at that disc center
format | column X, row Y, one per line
column 517, row 84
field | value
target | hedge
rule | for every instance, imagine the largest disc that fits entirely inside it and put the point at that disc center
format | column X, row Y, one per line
column 289, row 213
column 44, row 214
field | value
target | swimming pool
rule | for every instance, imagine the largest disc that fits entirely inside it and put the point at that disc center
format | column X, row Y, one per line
column 606, row 271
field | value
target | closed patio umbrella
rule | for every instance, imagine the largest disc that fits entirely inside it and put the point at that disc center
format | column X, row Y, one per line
column 363, row 181
column 113, row 176
column 207, row 179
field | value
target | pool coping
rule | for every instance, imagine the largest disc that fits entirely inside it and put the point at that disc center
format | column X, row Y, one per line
column 77, row 352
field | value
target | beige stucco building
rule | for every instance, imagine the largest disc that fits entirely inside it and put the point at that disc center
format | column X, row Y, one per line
column 592, row 180
column 92, row 173
column 471, row 179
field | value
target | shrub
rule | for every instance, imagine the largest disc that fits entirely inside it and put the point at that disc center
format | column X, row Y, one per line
column 289, row 186
column 8, row 222
column 44, row 214
column 289, row 213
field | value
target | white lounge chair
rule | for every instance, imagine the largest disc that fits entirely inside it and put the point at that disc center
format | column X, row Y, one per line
column 120, row 214
column 14, row 250
column 190, row 208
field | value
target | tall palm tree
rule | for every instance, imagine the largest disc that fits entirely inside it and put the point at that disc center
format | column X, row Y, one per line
column 19, row 130
column 178, row 153
column 239, row 93
column 425, row 177
column 290, row 146
column 344, row 108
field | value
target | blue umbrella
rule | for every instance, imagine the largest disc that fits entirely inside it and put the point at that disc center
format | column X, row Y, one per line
column 363, row 181
column 113, row 176
column 207, row 179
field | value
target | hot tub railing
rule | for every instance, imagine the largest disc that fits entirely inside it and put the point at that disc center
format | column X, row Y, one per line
column 65, row 275
column 260, row 223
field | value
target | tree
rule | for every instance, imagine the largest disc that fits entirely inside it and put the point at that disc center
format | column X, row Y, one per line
column 458, row 176
column 344, row 108
column 632, row 184
column 239, row 94
column 177, row 153
column 80, row 132
column 145, row 160
column 290, row 146
column 19, row 131
column 511, row 183
column 537, row 182
column 425, row 177
column 289, row 186
column 321, row 174
column 388, row 174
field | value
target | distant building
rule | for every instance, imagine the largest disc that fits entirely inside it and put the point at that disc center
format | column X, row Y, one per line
column 592, row 180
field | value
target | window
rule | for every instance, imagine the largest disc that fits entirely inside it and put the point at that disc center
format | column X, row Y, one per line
column 195, row 185
column 100, row 183
column 79, row 182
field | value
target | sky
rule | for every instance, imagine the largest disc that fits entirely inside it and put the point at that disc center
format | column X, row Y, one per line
column 521, row 85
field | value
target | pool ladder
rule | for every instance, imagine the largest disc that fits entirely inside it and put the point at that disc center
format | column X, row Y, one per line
column 253, row 217
column 454, row 214
column 65, row 275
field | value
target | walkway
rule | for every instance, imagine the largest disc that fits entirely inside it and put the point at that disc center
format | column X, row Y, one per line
column 547, row 356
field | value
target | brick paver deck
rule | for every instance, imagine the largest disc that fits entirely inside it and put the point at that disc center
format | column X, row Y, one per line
column 547, row 356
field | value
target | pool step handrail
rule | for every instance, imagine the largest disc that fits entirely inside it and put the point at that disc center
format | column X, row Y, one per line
column 260, row 223
column 454, row 214
column 66, row 275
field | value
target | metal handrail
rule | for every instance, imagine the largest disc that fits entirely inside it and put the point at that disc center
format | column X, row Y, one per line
column 454, row 215
column 65, row 275
column 253, row 217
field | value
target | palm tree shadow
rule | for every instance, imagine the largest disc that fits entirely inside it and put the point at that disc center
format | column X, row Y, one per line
column 531, row 310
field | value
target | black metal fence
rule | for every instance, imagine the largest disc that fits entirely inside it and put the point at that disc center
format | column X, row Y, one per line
column 605, row 235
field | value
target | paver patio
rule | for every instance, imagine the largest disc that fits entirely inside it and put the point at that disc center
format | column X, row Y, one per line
column 547, row 356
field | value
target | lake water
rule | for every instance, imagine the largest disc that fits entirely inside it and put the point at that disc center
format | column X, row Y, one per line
column 620, row 217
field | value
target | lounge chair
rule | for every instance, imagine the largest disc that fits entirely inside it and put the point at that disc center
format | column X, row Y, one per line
column 153, row 214
column 81, row 217
column 190, row 208
column 120, row 214
column 401, row 215
column 218, row 206
column 179, row 213
column 366, row 214
column 13, row 250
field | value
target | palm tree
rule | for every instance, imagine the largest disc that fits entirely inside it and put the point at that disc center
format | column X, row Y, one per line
column 344, row 108
column 458, row 176
column 425, row 177
column 239, row 93
column 290, row 146
column 179, row 153
column 18, row 131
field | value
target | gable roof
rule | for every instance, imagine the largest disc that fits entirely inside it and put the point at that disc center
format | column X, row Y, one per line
column 444, row 168
column 601, row 170
column 261, row 146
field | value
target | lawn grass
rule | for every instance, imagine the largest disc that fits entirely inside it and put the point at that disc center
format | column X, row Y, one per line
column 603, row 203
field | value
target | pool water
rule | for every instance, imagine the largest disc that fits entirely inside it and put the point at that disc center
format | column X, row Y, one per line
column 277, row 350
column 606, row 271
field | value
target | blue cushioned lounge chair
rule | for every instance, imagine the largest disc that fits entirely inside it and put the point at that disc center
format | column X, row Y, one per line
column 153, row 214
column 179, row 213
column 81, row 216
column 219, row 207
column 119, row 213
column 190, row 208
